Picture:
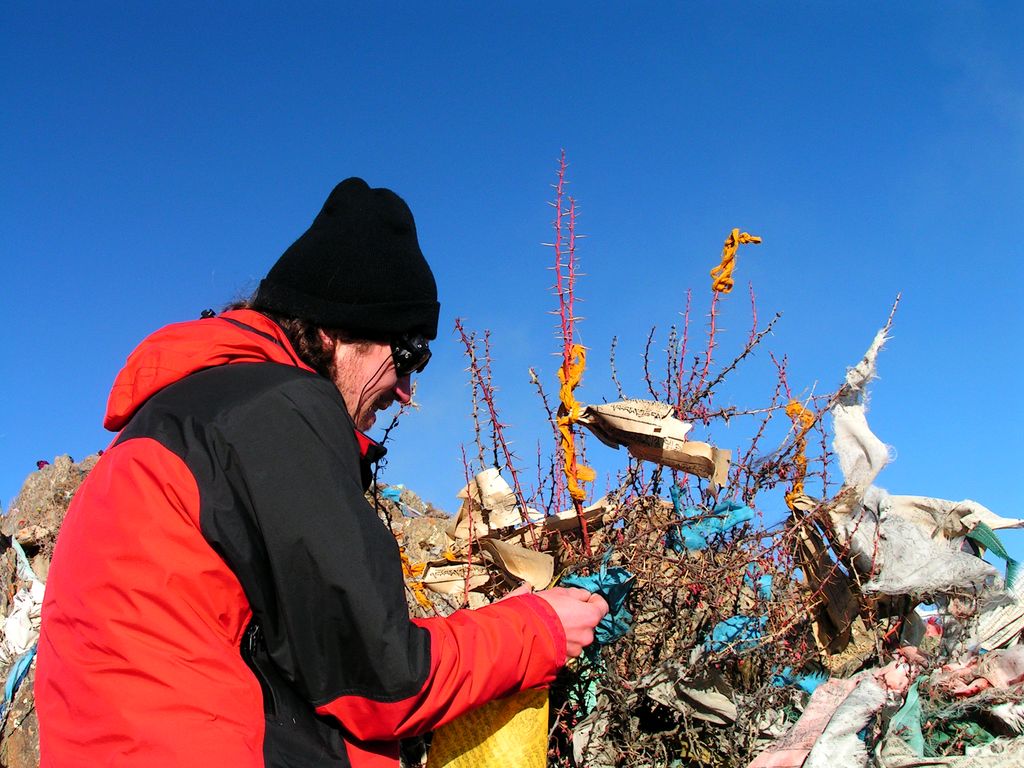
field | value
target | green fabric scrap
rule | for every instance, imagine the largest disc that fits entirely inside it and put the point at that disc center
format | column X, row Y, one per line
column 987, row 538
column 906, row 724
column 951, row 738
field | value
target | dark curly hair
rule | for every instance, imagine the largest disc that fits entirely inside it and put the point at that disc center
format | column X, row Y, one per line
column 305, row 337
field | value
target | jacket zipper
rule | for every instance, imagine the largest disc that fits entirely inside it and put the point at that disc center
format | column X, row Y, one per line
column 253, row 648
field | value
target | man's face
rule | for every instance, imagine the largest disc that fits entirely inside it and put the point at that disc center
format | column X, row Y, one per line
column 365, row 376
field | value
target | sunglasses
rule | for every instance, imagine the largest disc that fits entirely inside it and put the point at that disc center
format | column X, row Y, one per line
column 410, row 353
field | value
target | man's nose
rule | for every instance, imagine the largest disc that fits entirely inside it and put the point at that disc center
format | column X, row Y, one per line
column 403, row 390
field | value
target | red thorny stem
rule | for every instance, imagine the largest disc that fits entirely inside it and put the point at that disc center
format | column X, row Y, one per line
column 571, row 283
column 563, row 318
column 565, row 289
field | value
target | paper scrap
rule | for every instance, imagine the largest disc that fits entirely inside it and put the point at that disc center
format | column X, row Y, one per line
column 449, row 578
column 536, row 568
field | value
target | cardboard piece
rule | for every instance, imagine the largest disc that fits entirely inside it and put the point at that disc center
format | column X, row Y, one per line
column 649, row 431
column 597, row 515
column 520, row 563
column 836, row 613
column 449, row 578
column 468, row 524
column 491, row 503
column 492, row 493
column 568, row 520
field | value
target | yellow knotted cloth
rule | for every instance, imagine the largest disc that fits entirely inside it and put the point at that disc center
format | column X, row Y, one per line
column 721, row 275
column 569, row 414
column 803, row 420
column 413, row 573
column 506, row 732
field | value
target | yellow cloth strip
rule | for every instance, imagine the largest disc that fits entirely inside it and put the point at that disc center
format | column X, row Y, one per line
column 721, row 275
column 803, row 419
column 412, row 572
column 575, row 473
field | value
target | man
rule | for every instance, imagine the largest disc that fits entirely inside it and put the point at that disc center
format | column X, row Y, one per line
column 221, row 593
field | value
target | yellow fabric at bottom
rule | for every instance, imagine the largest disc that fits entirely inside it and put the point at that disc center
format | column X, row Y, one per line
column 507, row 732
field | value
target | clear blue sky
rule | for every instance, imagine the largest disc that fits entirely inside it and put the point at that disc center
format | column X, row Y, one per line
column 158, row 157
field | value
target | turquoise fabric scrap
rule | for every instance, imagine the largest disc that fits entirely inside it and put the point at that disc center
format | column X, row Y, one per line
column 807, row 682
column 728, row 515
column 737, row 633
column 18, row 671
column 25, row 571
column 392, row 493
column 614, row 585
column 725, row 516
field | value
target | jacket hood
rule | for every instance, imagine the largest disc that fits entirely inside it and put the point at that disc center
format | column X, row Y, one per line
column 178, row 350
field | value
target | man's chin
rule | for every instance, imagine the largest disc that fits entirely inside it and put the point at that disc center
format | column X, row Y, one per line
column 368, row 419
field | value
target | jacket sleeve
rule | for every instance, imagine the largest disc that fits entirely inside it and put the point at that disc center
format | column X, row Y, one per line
column 475, row 656
column 324, row 578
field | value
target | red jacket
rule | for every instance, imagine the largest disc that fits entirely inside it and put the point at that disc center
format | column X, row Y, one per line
column 221, row 593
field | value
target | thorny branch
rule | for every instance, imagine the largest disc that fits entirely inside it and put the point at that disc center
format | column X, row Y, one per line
column 476, row 370
column 683, row 595
column 614, row 372
column 706, row 391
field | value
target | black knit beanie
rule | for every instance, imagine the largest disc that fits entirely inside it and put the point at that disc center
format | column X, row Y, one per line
column 358, row 268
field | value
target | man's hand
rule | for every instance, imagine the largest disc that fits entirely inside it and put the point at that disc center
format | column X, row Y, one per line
column 579, row 611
